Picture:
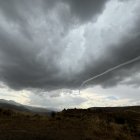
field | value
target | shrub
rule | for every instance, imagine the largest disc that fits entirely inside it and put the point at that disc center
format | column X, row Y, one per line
column 53, row 114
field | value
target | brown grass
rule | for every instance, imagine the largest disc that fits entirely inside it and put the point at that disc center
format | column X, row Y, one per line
column 72, row 124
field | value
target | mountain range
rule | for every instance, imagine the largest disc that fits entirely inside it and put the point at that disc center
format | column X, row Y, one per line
column 10, row 104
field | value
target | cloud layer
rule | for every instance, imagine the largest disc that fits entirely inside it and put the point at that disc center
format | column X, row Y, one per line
column 55, row 44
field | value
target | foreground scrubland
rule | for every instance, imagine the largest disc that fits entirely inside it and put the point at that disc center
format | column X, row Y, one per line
column 121, row 123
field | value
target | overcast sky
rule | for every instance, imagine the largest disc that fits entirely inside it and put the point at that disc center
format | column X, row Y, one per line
column 49, row 47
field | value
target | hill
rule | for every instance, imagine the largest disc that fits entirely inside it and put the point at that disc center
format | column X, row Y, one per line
column 121, row 123
column 12, row 105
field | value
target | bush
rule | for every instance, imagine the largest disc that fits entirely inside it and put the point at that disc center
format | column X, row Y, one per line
column 7, row 113
column 53, row 114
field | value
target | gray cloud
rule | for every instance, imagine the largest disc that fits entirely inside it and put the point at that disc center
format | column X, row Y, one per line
column 38, row 48
column 60, row 100
column 20, row 67
column 86, row 9
column 134, row 80
column 114, row 56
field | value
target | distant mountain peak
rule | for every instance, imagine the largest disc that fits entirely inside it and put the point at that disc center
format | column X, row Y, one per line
column 10, row 102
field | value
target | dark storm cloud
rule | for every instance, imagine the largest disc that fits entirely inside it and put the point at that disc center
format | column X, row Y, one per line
column 31, row 57
column 86, row 9
column 19, row 65
column 75, row 12
column 16, row 11
column 126, row 51
column 135, row 81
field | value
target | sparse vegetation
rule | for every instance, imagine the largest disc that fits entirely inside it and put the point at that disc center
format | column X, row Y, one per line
column 72, row 124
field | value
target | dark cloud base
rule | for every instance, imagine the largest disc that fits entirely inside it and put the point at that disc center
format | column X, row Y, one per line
column 22, row 64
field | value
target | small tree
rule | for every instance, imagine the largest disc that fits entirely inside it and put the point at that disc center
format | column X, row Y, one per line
column 53, row 114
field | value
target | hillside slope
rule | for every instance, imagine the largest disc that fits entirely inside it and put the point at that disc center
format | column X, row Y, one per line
column 73, row 124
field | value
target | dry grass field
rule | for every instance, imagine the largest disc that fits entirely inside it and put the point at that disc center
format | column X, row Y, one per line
column 73, row 124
